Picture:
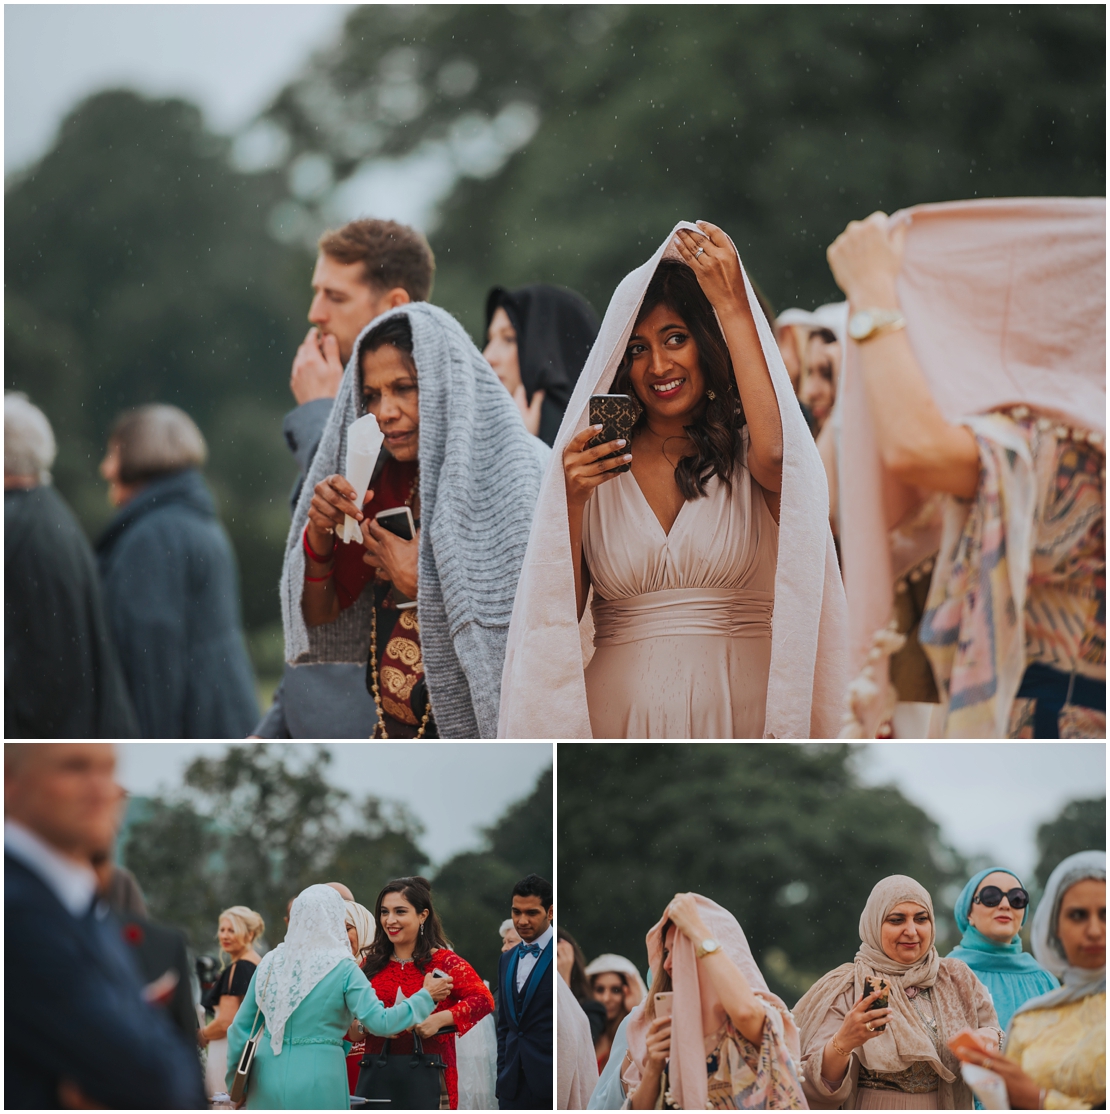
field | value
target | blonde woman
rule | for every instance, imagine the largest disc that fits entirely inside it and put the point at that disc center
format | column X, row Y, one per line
column 238, row 929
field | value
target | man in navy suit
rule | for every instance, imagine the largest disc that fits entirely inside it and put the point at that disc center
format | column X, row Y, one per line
column 77, row 1030
column 524, row 1004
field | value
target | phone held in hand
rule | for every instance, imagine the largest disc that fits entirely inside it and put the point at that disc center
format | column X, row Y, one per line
column 967, row 1046
column 881, row 1003
column 617, row 414
column 664, row 1003
column 399, row 521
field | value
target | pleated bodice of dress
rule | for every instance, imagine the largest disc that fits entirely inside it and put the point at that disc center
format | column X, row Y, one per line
column 682, row 621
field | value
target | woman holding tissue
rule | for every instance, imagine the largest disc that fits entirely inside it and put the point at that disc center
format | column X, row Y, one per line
column 458, row 459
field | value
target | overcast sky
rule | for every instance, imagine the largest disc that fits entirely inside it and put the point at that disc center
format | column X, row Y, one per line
column 455, row 789
column 989, row 798
column 229, row 58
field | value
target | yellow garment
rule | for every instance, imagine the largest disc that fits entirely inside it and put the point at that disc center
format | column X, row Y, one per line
column 1064, row 1050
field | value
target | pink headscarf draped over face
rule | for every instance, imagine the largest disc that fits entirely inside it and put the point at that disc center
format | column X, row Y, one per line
column 687, row 1062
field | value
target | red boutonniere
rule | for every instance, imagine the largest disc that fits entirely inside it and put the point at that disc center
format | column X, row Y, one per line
column 133, row 934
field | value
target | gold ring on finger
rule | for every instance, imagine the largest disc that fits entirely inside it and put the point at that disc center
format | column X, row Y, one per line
column 869, row 1027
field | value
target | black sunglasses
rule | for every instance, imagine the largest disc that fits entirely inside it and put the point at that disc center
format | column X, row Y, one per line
column 990, row 896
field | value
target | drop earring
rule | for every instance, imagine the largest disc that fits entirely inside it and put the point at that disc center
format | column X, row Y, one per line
column 421, row 928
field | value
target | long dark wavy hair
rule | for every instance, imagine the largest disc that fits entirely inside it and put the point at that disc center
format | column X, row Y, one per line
column 417, row 892
column 717, row 433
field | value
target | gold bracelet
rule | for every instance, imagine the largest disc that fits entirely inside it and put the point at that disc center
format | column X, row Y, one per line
column 837, row 1048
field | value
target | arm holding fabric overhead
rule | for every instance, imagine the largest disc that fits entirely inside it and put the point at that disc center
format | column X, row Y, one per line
column 918, row 445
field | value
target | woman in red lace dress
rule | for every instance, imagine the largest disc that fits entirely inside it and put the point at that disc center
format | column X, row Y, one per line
column 411, row 943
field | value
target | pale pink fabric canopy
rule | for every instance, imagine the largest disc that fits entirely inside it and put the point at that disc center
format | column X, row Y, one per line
column 1005, row 302
column 543, row 691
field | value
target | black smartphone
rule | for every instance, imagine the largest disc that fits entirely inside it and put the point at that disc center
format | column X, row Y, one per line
column 617, row 414
column 399, row 521
column 880, row 1003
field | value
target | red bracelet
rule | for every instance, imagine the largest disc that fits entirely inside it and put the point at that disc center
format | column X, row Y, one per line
column 313, row 555
column 319, row 579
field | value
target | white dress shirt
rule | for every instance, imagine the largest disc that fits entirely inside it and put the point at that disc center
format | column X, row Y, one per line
column 73, row 885
column 527, row 961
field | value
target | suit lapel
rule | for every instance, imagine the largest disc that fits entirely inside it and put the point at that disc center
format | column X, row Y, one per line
column 509, row 989
column 536, row 974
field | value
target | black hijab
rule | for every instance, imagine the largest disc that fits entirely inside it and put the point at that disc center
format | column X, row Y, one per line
column 555, row 329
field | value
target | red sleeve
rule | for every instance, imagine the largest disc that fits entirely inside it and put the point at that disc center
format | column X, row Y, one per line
column 469, row 1000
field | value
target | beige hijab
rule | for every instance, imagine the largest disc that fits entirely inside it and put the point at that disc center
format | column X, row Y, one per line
column 362, row 920
column 905, row 1041
column 543, row 688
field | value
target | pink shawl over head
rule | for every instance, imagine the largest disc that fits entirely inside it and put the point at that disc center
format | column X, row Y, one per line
column 543, row 689
column 1005, row 302
column 687, row 1065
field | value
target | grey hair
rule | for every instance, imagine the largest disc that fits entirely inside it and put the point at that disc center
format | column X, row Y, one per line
column 29, row 445
column 156, row 439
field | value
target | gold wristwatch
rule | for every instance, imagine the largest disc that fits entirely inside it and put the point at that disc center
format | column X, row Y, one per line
column 707, row 947
column 867, row 323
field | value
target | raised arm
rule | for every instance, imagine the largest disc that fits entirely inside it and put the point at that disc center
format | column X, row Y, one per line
column 717, row 267
column 917, row 443
column 738, row 999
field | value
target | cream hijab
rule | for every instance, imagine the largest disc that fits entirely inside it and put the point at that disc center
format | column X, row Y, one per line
column 905, row 1040
column 543, row 688
column 362, row 921
column 687, row 1063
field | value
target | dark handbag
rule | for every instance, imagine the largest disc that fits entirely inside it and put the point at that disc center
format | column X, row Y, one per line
column 407, row 1080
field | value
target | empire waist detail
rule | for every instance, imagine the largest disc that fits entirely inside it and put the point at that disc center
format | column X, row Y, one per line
column 723, row 612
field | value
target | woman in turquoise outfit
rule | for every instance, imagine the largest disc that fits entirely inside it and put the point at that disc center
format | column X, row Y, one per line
column 990, row 911
column 309, row 990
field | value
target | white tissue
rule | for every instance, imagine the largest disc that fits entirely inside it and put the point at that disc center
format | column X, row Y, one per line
column 364, row 443
column 989, row 1087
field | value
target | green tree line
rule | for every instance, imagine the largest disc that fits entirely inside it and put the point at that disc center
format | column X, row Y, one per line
column 144, row 263
column 261, row 823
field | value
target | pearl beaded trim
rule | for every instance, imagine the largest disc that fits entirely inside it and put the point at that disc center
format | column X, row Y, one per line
column 1062, row 432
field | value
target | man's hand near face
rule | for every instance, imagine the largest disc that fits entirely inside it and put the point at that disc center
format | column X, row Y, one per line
column 317, row 368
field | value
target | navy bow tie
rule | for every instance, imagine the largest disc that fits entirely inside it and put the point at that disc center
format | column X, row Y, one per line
column 532, row 949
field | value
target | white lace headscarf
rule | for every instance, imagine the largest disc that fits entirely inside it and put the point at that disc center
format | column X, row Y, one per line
column 316, row 942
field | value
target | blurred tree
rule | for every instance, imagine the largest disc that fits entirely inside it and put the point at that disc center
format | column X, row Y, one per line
column 254, row 828
column 581, row 133
column 1080, row 826
column 783, row 835
column 257, row 825
column 473, row 890
column 139, row 268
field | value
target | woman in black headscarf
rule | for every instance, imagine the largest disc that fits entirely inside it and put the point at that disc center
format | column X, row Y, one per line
column 537, row 339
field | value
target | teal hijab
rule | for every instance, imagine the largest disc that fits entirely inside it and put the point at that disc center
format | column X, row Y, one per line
column 1011, row 975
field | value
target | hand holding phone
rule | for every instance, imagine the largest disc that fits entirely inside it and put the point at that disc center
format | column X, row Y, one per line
column 616, row 414
column 880, row 1003
column 664, row 1003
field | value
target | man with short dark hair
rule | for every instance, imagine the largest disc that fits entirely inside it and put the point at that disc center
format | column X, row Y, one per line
column 79, row 1032
column 525, row 1015
column 362, row 270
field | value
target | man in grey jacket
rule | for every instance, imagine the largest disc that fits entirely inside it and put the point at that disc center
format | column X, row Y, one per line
column 363, row 269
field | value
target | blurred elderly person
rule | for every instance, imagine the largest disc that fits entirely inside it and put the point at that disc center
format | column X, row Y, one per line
column 990, row 911
column 85, row 1034
column 171, row 584
column 239, row 927
column 508, row 934
column 61, row 675
column 973, row 467
column 1055, row 1054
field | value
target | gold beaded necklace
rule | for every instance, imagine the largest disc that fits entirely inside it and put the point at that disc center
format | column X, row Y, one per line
column 379, row 731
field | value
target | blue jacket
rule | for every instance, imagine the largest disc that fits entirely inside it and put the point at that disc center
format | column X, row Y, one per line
column 171, row 590
column 525, row 1040
column 74, row 1011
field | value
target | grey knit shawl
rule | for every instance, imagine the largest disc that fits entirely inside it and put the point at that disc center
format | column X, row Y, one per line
column 480, row 473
